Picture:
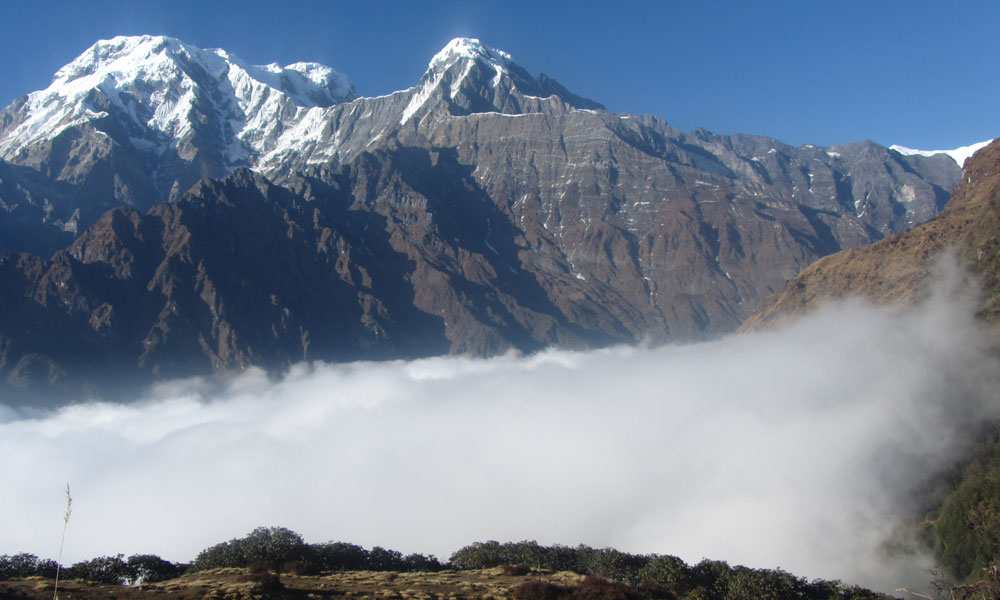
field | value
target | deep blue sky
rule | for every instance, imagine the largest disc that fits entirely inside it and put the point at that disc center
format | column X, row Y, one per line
column 918, row 73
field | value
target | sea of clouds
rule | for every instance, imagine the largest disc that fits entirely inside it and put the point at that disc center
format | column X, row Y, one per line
column 799, row 448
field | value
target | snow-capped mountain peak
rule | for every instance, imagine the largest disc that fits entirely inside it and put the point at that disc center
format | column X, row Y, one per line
column 959, row 155
column 131, row 57
column 120, row 53
column 467, row 68
column 164, row 87
column 470, row 48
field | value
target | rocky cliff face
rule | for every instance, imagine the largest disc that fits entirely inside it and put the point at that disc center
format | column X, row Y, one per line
column 481, row 210
column 898, row 268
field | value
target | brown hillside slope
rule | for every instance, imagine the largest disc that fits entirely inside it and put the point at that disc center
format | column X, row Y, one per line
column 896, row 268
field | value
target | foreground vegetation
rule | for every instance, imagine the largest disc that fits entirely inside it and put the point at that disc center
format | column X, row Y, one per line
column 965, row 529
column 275, row 562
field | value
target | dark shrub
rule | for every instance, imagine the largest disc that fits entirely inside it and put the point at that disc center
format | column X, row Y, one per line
column 610, row 563
column 657, row 591
column 486, row 555
column 46, row 568
column 596, row 588
column 535, row 589
column 301, row 567
column 340, row 556
column 560, row 558
column 666, row 571
column 380, row 559
column 265, row 574
column 270, row 544
column 515, row 570
column 421, row 563
column 18, row 565
column 103, row 569
column 480, row 555
column 225, row 554
column 149, row 568
column 710, row 575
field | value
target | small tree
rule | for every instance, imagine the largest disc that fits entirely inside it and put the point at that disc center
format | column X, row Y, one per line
column 148, row 568
column 273, row 544
column 380, row 559
column 668, row 571
column 104, row 569
column 276, row 545
column 419, row 562
column 340, row 556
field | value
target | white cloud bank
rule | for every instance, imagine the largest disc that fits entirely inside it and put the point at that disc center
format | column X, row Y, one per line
column 794, row 448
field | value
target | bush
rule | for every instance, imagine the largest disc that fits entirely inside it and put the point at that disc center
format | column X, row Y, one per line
column 340, row 556
column 224, row 554
column 25, row 565
column 273, row 544
column 380, row 559
column 560, row 558
column 596, row 588
column 537, row 589
column 267, row 544
column 609, row 563
column 264, row 574
column 301, row 568
column 669, row 572
column 591, row 588
column 480, row 555
column 46, row 568
column 421, row 563
column 515, row 570
column 149, row 568
column 286, row 550
column 967, row 529
column 104, row 569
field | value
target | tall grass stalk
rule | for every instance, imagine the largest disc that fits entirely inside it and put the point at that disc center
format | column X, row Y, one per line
column 69, row 510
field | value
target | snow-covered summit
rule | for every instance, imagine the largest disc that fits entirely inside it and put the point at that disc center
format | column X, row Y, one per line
column 469, row 77
column 164, row 87
column 959, row 155
column 178, row 112
column 467, row 52
column 471, row 48
column 131, row 57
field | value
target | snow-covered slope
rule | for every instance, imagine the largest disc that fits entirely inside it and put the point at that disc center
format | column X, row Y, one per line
column 468, row 77
column 959, row 155
column 173, row 103
column 465, row 50
column 169, row 91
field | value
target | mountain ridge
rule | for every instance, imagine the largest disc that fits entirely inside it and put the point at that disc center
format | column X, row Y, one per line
column 482, row 210
column 898, row 268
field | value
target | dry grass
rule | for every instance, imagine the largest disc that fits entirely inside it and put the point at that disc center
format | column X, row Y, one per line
column 234, row 584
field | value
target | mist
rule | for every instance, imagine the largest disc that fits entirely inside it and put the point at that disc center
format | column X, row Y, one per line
column 798, row 448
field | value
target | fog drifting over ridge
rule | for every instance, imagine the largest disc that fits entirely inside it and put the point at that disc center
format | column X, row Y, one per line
column 797, row 448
